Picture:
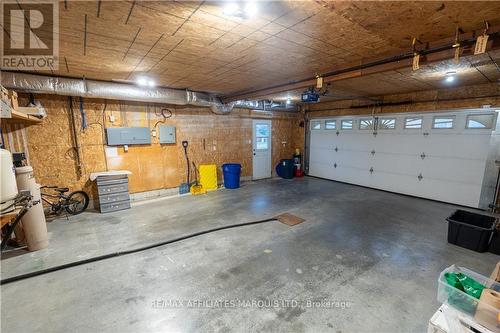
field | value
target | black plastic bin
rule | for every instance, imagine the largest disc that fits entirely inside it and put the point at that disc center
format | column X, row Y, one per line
column 470, row 230
column 495, row 243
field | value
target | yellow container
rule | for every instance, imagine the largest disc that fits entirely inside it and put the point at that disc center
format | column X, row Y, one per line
column 208, row 176
column 197, row 189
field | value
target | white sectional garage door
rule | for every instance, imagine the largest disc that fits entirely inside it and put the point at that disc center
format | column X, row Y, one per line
column 439, row 156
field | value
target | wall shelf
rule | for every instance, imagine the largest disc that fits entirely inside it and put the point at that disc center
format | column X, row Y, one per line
column 17, row 116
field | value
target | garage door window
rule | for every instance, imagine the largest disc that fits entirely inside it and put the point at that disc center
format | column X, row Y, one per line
column 366, row 124
column 440, row 122
column 316, row 124
column 330, row 124
column 413, row 122
column 346, row 124
column 387, row 123
column 480, row 121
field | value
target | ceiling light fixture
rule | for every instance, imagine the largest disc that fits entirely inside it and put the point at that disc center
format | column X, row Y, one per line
column 231, row 9
column 243, row 10
column 145, row 82
column 450, row 77
column 250, row 9
column 142, row 81
column 288, row 101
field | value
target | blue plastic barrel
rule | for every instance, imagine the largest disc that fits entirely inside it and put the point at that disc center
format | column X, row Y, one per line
column 231, row 173
column 285, row 169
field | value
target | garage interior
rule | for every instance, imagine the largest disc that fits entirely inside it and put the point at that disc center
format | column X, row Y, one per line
column 218, row 166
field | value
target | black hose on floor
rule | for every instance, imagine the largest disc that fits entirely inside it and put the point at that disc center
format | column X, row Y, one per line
column 122, row 253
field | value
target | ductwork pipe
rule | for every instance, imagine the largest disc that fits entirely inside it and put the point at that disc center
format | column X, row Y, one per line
column 40, row 84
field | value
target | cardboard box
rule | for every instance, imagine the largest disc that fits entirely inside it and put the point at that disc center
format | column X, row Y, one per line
column 495, row 275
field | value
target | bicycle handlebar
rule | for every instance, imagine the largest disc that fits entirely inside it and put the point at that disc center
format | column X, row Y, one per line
column 48, row 186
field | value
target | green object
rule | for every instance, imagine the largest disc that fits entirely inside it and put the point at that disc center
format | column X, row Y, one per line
column 471, row 286
column 466, row 284
column 452, row 280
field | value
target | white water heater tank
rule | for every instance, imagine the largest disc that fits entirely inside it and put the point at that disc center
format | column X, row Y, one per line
column 8, row 186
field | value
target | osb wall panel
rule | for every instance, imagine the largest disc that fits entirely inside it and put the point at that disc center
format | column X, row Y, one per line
column 430, row 100
column 213, row 139
column 14, row 136
column 52, row 148
column 298, row 132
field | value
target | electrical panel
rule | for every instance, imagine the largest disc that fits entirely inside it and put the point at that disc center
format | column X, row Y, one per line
column 128, row 136
column 167, row 134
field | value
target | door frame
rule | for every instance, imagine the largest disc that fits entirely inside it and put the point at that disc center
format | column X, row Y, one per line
column 270, row 155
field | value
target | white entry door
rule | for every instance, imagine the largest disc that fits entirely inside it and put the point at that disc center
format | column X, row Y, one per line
column 261, row 149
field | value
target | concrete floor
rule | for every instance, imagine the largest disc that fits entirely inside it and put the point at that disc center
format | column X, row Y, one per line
column 374, row 256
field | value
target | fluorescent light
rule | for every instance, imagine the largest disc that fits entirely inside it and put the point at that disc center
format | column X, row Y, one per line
column 231, row 9
column 288, row 101
column 250, row 9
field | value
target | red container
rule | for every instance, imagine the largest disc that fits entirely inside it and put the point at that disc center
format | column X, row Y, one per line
column 299, row 173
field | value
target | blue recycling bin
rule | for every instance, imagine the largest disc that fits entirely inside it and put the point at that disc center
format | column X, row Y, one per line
column 231, row 172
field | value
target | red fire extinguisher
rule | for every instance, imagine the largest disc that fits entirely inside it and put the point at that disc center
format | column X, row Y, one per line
column 297, row 161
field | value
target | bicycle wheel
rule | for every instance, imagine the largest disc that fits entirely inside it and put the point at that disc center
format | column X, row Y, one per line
column 77, row 202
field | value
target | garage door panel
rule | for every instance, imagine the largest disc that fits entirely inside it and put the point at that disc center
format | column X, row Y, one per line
column 321, row 170
column 352, row 142
column 352, row 174
column 400, row 183
column 458, row 193
column 404, row 144
column 456, row 145
column 441, row 164
column 397, row 163
column 330, row 134
column 453, row 169
column 320, row 140
column 322, row 155
column 354, row 158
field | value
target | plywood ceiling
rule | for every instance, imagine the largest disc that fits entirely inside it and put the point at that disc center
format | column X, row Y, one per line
column 471, row 70
column 194, row 45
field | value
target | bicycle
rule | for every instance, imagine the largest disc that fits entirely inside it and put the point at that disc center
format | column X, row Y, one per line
column 74, row 203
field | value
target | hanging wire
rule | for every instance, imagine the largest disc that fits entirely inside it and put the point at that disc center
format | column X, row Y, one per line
column 165, row 113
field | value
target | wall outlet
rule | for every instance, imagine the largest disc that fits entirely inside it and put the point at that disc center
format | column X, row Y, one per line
column 125, row 148
column 153, row 133
column 111, row 118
